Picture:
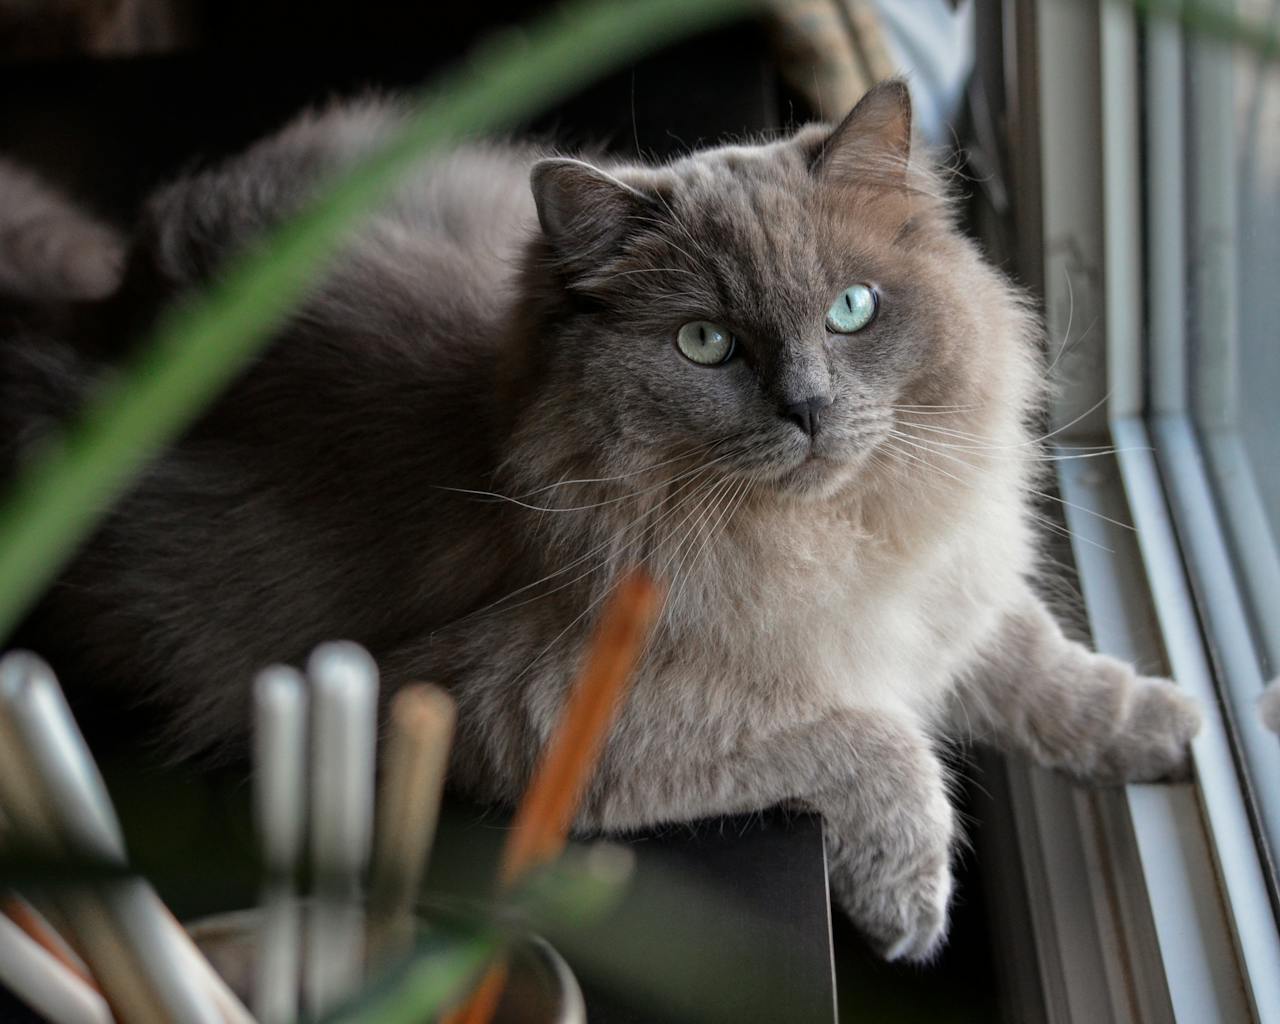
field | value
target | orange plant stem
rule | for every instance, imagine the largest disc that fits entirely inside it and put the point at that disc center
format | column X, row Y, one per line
column 546, row 813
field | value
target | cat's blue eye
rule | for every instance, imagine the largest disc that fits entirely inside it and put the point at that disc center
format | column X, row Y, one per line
column 705, row 343
column 854, row 308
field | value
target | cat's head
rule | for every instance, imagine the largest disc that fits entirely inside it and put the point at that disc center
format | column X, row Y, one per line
column 773, row 307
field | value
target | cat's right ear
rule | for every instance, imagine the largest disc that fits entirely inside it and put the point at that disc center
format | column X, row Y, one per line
column 584, row 212
column 873, row 143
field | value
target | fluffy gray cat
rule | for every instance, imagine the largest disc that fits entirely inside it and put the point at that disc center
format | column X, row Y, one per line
column 776, row 374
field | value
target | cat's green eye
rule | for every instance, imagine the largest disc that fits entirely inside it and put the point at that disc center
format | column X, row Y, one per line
column 854, row 308
column 705, row 343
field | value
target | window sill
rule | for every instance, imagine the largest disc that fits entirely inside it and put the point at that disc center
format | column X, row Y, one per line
column 1147, row 903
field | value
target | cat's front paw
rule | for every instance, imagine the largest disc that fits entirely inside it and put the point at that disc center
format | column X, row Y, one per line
column 917, row 924
column 897, row 888
column 1153, row 742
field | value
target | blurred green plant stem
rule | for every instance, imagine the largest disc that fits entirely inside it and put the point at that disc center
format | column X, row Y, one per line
column 200, row 345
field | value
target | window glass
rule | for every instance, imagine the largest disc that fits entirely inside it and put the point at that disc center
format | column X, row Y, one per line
column 1233, row 95
column 1257, row 159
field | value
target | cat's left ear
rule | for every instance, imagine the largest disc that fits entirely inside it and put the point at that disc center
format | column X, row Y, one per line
column 584, row 211
column 873, row 141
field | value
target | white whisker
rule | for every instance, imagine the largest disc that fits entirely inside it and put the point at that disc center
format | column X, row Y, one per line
column 1064, row 531
column 966, row 436
column 941, row 447
column 578, row 618
column 690, row 542
column 647, row 530
column 635, row 472
column 934, row 410
column 1081, row 508
column 582, row 508
column 918, row 458
column 655, row 270
column 1071, row 312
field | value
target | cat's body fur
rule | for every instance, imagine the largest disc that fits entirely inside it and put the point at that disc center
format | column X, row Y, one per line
column 835, row 613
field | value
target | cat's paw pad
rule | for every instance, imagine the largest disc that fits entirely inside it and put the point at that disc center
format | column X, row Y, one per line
column 1154, row 742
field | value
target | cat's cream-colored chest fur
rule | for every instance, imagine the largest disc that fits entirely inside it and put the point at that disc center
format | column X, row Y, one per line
column 781, row 624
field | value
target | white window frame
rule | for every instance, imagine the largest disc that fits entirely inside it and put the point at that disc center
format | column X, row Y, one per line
column 1148, row 903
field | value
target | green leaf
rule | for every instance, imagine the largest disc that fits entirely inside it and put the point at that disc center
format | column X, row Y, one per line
column 434, row 979
column 582, row 888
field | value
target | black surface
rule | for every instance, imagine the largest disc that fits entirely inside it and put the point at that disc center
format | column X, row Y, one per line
column 723, row 920
column 757, row 944
column 959, row 985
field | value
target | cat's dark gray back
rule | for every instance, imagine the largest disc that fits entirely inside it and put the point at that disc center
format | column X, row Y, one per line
column 306, row 504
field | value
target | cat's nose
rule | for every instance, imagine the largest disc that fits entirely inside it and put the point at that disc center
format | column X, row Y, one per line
column 807, row 413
